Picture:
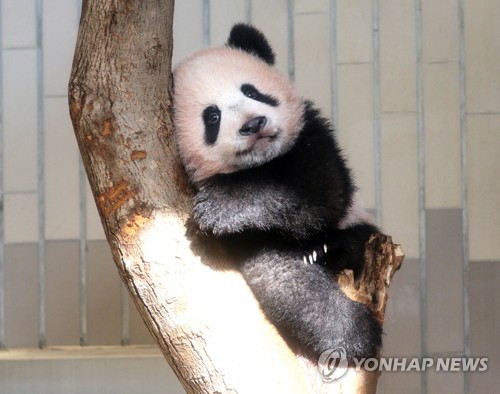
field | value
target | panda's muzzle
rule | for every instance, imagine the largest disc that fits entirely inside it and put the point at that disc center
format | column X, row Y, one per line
column 253, row 126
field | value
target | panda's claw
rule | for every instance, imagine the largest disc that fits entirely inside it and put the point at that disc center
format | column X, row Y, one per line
column 317, row 255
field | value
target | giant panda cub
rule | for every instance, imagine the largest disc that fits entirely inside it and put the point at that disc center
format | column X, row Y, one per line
column 274, row 187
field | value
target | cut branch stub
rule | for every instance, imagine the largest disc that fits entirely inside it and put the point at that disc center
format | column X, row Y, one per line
column 382, row 259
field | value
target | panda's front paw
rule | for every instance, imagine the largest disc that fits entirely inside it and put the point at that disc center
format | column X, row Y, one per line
column 212, row 218
column 205, row 215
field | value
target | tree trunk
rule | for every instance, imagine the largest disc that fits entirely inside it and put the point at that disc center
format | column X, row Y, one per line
column 200, row 311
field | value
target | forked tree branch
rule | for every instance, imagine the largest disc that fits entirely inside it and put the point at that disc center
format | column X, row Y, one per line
column 200, row 311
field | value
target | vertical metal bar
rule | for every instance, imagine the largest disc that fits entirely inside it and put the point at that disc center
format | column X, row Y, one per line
column 464, row 191
column 42, row 335
column 2, row 196
column 206, row 23
column 248, row 11
column 78, row 9
column 377, row 128
column 83, row 297
column 83, row 255
column 421, row 185
column 125, row 313
column 291, row 40
column 333, row 62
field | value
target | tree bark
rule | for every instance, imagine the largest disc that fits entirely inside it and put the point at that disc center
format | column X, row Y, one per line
column 200, row 311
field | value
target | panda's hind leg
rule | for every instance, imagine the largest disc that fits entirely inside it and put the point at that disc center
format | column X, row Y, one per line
column 305, row 302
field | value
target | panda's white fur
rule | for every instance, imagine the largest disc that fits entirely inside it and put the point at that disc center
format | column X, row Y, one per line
column 217, row 84
column 356, row 214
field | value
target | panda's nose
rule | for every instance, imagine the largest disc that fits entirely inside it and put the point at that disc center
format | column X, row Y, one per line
column 253, row 126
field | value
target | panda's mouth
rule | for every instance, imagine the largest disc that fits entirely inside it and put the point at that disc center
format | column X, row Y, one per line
column 258, row 141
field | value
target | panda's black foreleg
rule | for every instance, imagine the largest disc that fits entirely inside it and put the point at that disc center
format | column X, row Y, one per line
column 305, row 301
column 234, row 203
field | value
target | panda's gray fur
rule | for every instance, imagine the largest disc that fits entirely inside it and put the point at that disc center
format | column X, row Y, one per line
column 274, row 187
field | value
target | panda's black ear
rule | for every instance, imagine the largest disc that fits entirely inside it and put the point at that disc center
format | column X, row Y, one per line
column 251, row 40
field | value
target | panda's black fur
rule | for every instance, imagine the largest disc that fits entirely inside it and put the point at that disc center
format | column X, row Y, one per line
column 251, row 41
column 281, row 221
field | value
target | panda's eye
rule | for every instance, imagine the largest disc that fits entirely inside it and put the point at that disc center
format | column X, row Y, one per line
column 251, row 94
column 213, row 117
column 249, row 91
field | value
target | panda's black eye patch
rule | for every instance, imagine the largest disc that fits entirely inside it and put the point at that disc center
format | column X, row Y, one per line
column 251, row 91
column 211, row 119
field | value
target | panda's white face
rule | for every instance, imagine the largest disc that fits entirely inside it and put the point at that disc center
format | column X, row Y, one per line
column 232, row 111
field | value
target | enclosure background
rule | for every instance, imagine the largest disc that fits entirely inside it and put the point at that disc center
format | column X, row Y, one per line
column 413, row 87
